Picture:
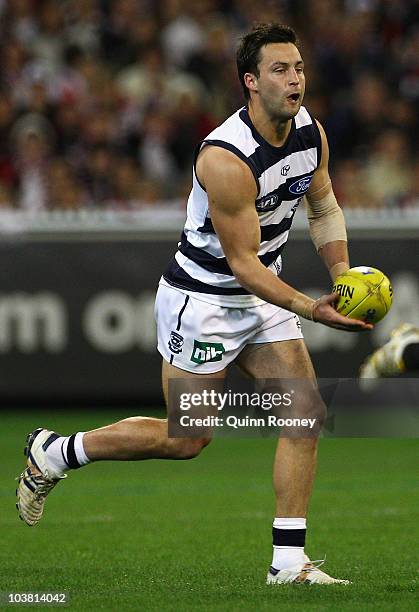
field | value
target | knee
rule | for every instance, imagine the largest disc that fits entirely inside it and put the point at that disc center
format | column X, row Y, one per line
column 191, row 447
column 316, row 414
column 310, row 417
column 315, row 409
column 319, row 412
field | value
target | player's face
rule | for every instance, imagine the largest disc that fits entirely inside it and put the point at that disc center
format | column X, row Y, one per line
column 281, row 82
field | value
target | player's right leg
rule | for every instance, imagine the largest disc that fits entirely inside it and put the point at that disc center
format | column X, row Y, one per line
column 277, row 357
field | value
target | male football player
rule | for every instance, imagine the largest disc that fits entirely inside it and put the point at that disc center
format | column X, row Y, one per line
column 222, row 300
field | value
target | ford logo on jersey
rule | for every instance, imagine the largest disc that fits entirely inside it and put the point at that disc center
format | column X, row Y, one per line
column 301, row 185
column 269, row 202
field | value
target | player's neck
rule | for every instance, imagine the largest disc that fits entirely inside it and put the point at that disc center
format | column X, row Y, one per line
column 274, row 132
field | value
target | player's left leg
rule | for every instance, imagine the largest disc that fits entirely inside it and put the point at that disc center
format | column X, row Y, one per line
column 296, row 455
column 50, row 456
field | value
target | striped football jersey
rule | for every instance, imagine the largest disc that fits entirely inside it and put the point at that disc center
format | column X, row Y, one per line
column 282, row 174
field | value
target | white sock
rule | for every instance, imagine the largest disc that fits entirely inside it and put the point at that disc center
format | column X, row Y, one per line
column 57, row 453
column 82, row 458
column 286, row 533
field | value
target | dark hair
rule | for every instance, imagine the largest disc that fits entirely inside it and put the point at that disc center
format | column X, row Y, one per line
column 248, row 56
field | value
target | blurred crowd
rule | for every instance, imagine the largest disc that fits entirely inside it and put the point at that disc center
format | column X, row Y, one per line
column 102, row 102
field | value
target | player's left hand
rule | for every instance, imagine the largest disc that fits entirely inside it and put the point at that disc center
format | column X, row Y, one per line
column 324, row 311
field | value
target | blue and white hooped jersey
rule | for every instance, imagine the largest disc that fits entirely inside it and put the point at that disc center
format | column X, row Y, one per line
column 282, row 175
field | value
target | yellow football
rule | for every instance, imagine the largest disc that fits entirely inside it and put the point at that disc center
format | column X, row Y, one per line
column 365, row 293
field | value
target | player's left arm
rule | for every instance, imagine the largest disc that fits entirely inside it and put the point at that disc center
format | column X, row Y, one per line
column 326, row 220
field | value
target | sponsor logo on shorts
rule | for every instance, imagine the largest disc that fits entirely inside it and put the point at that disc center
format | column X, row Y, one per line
column 204, row 352
column 301, row 185
column 175, row 343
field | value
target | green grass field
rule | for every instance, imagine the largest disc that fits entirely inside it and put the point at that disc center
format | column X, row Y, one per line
column 196, row 535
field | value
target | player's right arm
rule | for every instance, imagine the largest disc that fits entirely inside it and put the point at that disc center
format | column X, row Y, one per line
column 231, row 191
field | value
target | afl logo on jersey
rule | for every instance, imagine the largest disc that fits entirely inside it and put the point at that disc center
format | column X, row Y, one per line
column 269, row 202
column 301, row 185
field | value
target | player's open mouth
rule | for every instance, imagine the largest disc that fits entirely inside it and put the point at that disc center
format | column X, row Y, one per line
column 294, row 97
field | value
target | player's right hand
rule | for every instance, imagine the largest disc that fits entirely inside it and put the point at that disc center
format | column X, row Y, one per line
column 324, row 311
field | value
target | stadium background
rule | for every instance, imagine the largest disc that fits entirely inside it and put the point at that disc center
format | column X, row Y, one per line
column 101, row 105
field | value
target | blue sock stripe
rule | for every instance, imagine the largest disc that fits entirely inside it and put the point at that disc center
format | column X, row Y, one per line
column 289, row 537
column 71, row 454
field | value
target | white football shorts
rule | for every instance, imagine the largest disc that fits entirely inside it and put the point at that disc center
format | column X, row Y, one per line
column 204, row 338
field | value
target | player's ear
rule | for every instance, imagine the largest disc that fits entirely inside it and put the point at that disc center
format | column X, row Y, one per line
column 251, row 82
